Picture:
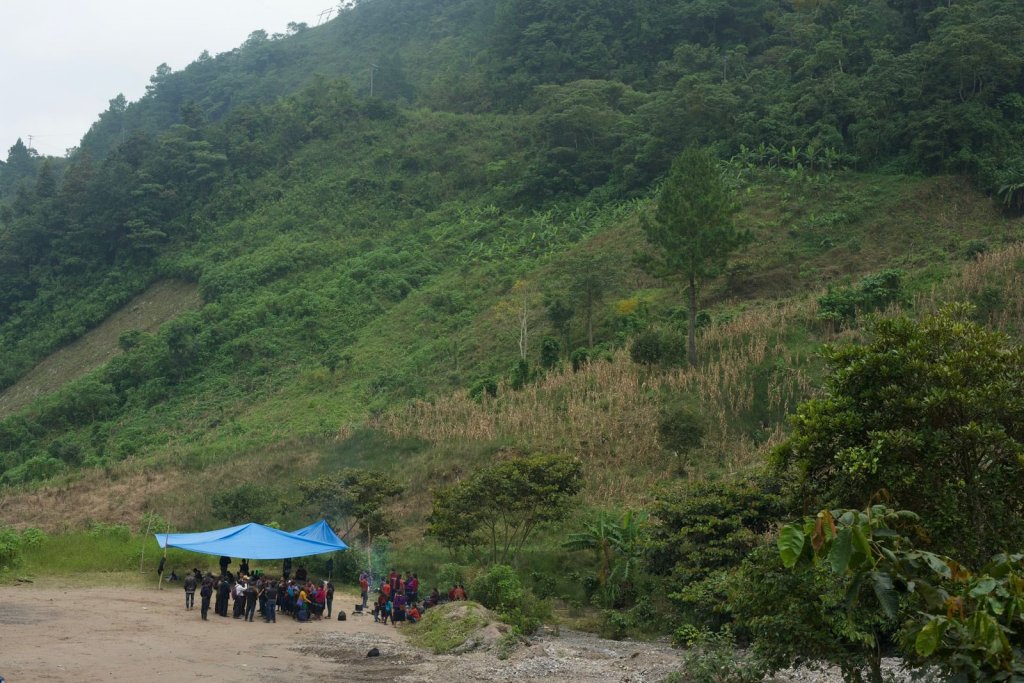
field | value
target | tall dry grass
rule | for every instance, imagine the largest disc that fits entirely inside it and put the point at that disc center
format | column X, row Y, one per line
column 994, row 281
column 608, row 412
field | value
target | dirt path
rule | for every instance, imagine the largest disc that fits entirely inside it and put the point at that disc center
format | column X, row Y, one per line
column 130, row 634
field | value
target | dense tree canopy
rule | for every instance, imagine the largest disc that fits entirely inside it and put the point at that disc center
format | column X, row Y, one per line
column 930, row 415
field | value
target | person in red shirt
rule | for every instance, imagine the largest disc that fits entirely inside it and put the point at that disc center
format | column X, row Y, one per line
column 414, row 614
column 364, row 588
column 385, row 588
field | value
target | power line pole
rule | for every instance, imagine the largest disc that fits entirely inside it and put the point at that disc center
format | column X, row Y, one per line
column 327, row 12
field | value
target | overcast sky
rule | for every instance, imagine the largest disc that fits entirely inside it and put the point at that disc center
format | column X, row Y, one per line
column 62, row 61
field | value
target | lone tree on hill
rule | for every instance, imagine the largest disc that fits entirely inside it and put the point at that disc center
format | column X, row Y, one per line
column 692, row 227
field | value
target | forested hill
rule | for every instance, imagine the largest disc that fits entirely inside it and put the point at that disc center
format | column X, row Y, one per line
column 480, row 211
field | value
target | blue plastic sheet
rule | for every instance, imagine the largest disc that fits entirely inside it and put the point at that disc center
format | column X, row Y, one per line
column 254, row 541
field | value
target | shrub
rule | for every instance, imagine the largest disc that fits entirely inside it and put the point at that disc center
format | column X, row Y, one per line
column 579, row 358
column 10, row 548
column 703, row 531
column 873, row 293
column 484, row 385
column 550, row 352
column 647, row 348
column 714, row 658
column 680, row 429
column 500, row 589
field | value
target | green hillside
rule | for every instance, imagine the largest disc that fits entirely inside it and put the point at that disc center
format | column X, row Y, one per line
column 454, row 272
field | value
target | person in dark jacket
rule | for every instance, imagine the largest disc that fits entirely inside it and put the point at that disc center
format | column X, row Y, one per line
column 270, row 601
column 204, row 593
column 251, row 592
column 223, row 591
column 190, row 591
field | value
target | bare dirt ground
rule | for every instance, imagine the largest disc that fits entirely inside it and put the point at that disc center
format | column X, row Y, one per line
column 48, row 633
column 146, row 312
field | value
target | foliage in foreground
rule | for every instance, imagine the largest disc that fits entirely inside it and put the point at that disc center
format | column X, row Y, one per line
column 968, row 624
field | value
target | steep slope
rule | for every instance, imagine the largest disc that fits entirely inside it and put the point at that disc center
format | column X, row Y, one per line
column 356, row 256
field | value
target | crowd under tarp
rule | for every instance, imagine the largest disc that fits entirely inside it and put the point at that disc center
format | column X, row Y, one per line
column 257, row 542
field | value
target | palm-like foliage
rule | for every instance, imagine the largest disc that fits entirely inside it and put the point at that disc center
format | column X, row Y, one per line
column 615, row 542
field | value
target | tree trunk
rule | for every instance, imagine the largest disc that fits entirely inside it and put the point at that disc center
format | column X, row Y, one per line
column 590, row 321
column 691, row 332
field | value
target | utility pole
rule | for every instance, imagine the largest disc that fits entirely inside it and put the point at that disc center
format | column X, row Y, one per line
column 327, row 12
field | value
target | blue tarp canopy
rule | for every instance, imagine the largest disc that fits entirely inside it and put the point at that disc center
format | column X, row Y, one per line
column 320, row 531
column 254, row 541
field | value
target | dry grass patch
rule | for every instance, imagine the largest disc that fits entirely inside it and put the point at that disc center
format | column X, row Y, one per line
column 608, row 412
column 146, row 312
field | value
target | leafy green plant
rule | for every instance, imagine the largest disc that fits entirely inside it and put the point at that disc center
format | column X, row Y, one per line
column 617, row 544
column 500, row 589
column 872, row 293
column 968, row 624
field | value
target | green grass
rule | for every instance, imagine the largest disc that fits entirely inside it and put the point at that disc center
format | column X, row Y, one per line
column 440, row 631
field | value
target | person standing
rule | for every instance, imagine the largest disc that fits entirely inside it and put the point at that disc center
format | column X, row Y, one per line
column 223, row 591
column 238, row 595
column 204, row 594
column 286, row 568
column 270, row 601
column 224, row 562
column 364, row 588
column 329, row 595
column 251, row 593
column 190, row 591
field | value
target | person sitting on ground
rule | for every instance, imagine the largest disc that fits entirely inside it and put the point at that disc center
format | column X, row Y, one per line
column 460, row 592
column 433, row 599
column 414, row 614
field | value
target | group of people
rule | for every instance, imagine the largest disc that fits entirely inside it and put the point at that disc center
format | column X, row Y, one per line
column 299, row 597
column 398, row 598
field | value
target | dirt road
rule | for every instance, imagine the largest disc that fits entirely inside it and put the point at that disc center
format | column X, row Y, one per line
column 48, row 633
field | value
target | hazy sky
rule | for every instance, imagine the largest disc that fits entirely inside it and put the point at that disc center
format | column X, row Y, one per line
column 61, row 61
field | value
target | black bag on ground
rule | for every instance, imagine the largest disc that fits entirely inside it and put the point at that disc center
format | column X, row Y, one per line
column 341, row 615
